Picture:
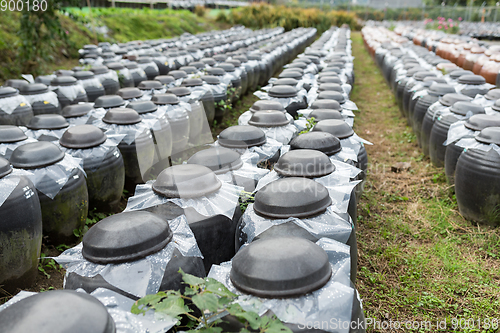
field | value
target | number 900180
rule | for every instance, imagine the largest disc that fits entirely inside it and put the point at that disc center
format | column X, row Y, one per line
column 19, row 5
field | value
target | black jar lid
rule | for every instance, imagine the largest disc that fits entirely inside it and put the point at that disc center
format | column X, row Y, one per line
column 241, row 58
column 47, row 121
column 220, row 57
column 76, row 110
column 131, row 65
column 122, row 116
column 286, row 82
column 440, row 89
column 63, row 81
column 420, row 76
column 330, row 79
column 334, row 69
column 64, row 72
column 186, row 181
column 126, row 237
column 83, row 75
column 8, row 92
column 462, row 108
column 57, row 311
column 34, row 89
column 218, row 159
column 143, row 106
column 414, row 70
column 178, row 74
column 208, row 61
column 337, row 127
column 227, row 67
column 16, row 83
column 99, row 69
column 472, row 79
column 335, row 95
column 263, row 104
column 116, row 66
column 282, row 92
column 305, row 60
column 304, row 163
column 189, row 69
column 163, row 99
column 234, row 62
column 82, row 137
column 322, row 114
column 496, row 106
column 165, row 79
column 36, row 155
column 242, row 136
column 179, row 91
column 150, row 84
column 435, row 79
column 297, row 65
column 129, row 93
column 210, row 79
column 330, row 87
column 450, row 99
column 268, row 118
column 326, row 104
column 109, row 101
column 280, row 267
column 489, row 135
column 5, row 167
column 291, row 197
column 493, row 94
column 290, row 75
column 479, row 122
column 216, row 71
column 197, row 64
column 144, row 60
column 11, row 133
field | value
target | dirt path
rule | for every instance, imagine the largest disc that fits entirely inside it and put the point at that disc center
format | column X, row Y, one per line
column 419, row 260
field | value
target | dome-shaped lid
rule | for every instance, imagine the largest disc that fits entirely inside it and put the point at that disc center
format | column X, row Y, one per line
column 335, row 95
column 144, row 60
column 77, row 110
column 210, row 79
column 242, row 136
column 34, row 89
column 337, row 127
column 218, row 159
column 186, row 181
column 481, row 121
column 47, row 121
column 16, row 83
column 208, row 61
column 189, row 69
column 82, row 137
column 420, row 76
column 83, row 75
column 64, row 72
column 162, row 99
column 305, row 60
column 10, row 133
column 126, row 237
column 285, row 82
column 322, row 114
column 304, row 163
column 143, row 106
column 291, row 197
column 334, row 69
column 435, row 79
column 450, row 99
column 326, row 104
column 297, row 65
column 290, row 75
column 471, row 79
column 8, row 92
column 493, row 94
column 414, row 70
column 179, row 91
column 63, row 81
column 241, row 58
column 458, row 73
column 197, row 64
column 192, row 82
column 220, row 57
column 129, row 93
column 216, row 71
column 280, row 267
column 282, row 92
column 109, row 101
column 45, row 79
column 440, row 89
column 496, row 105
column 263, row 104
column 116, row 66
column 122, row 116
column 330, row 87
column 226, row 66
column 36, row 155
column 489, row 135
column 234, row 62
column 131, row 65
column 268, row 118
column 57, row 311
column 178, row 74
column 5, row 167
column 99, row 69
column 165, row 79
column 462, row 108
column 330, row 79
column 150, row 84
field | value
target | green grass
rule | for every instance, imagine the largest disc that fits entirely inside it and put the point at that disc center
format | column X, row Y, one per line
column 420, row 260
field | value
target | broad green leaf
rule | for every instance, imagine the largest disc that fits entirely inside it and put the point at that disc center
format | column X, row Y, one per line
column 207, row 330
column 250, row 317
column 218, row 288
column 206, row 301
column 276, row 326
column 190, row 291
column 191, row 279
column 172, row 306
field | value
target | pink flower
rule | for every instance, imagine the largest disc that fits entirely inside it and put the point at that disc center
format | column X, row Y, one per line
column 451, row 25
column 450, row 20
column 67, row 32
column 460, row 19
column 440, row 27
column 445, row 28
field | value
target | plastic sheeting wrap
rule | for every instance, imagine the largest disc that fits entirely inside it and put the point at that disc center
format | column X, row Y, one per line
column 7, row 186
column 146, row 65
column 221, row 202
column 437, row 108
column 458, row 131
column 313, row 93
column 98, row 153
column 57, row 174
column 92, row 82
column 49, row 97
column 245, row 117
column 9, row 104
column 264, row 152
column 472, row 143
column 355, row 143
column 37, row 134
column 298, row 86
column 6, row 149
column 129, row 132
column 246, row 171
column 487, row 86
column 489, row 111
column 282, row 134
column 70, row 92
column 301, row 123
column 332, row 301
column 218, row 89
column 140, row 277
column 148, row 94
column 300, row 98
column 483, row 101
